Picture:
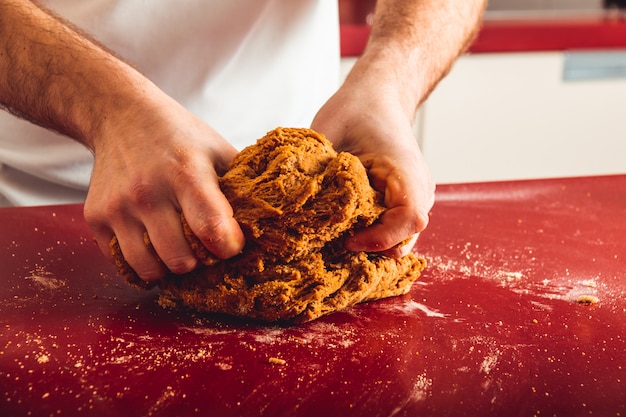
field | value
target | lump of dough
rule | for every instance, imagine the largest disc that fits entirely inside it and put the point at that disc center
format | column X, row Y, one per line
column 296, row 199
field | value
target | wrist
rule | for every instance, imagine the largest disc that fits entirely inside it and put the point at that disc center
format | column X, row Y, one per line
column 392, row 75
column 113, row 112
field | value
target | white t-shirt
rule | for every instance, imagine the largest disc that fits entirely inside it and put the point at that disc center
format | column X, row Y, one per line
column 243, row 66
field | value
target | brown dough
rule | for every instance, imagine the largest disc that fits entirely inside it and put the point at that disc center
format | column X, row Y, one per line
column 295, row 199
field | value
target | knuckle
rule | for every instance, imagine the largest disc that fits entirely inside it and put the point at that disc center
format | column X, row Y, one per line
column 180, row 264
column 421, row 214
column 143, row 194
column 151, row 274
column 416, row 220
column 92, row 211
column 220, row 235
column 96, row 213
column 420, row 221
column 149, row 269
column 212, row 230
column 91, row 216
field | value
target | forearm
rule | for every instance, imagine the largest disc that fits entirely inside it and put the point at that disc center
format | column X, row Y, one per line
column 413, row 44
column 54, row 76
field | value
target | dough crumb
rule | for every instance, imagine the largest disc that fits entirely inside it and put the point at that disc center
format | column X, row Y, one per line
column 277, row 361
column 587, row 299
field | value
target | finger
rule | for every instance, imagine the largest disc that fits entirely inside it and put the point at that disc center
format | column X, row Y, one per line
column 135, row 247
column 211, row 221
column 401, row 249
column 393, row 227
column 407, row 215
column 167, row 238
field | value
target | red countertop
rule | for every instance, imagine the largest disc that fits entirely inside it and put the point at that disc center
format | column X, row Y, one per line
column 493, row 328
column 521, row 35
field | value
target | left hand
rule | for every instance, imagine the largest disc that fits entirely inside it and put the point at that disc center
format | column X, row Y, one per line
column 368, row 120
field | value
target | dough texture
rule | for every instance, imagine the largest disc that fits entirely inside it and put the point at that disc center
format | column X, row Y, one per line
column 296, row 199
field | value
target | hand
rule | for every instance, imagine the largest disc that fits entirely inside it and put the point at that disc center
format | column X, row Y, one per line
column 147, row 171
column 368, row 120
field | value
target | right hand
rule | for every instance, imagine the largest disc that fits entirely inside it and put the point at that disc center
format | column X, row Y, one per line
column 162, row 161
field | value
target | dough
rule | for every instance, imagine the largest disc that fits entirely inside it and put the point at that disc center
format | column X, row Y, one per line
column 295, row 199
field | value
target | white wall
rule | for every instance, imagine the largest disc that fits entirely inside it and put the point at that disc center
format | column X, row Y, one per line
column 510, row 116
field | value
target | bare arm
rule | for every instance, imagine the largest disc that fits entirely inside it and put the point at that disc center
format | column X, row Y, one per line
column 57, row 77
column 413, row 45
column 153, row 159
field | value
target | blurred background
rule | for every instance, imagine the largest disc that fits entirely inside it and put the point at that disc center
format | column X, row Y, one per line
column 509, row 5
column 541, row 93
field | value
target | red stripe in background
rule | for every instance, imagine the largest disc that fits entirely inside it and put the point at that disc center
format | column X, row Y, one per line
column 521, row 36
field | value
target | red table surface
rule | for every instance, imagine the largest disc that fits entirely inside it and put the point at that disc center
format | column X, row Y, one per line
column 493, row 328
